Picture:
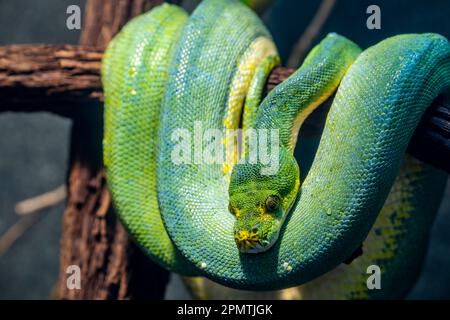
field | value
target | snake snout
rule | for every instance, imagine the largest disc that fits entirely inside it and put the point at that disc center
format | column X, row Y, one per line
column 248, row 241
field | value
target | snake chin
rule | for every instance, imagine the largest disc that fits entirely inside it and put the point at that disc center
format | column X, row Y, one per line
column 256, row 246
column 251, row 242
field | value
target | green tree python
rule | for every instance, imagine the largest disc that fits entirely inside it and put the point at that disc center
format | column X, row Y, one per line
column 165, row 74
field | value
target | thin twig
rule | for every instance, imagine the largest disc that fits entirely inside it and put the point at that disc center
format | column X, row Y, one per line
column 16, row 231
column 311, row 32
column 26, row 208
column 42, row 201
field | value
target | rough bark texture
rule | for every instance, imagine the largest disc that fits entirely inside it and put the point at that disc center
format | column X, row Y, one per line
column 104, row 18
column 56, row 78
column 66, row 80
column 431, row 140
column 111, row 265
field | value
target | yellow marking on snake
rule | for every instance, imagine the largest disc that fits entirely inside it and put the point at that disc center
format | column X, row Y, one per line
column 254, row 94
column 260, row 48
column 380, row 245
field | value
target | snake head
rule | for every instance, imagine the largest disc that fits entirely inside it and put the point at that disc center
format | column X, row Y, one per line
column 260, row 203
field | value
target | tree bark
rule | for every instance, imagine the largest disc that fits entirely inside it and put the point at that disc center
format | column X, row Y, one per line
column 56, row 78
column 112, row 267
column 65, row 79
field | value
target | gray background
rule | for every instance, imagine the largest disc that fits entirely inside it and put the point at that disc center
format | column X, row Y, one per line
column 34, row 147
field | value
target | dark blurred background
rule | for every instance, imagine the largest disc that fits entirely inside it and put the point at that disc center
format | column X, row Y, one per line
column 34, row 147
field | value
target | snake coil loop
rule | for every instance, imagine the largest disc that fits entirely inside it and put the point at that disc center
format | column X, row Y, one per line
column 165, row 74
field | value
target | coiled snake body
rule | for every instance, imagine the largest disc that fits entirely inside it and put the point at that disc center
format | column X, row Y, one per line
column 166, row 74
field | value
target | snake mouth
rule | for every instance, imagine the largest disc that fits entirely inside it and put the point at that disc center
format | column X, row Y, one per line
column 248, row 242
column 250, row 247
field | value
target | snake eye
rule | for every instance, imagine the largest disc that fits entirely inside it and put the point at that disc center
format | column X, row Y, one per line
column 272, row 203
column 231, row 209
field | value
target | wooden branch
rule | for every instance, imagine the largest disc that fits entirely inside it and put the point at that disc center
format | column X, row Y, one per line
column 40, row 202
column 63, row 79
column 430, row 142
column 104, row 18
column 112, row 267
column 56, row 78
column 17, row 230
